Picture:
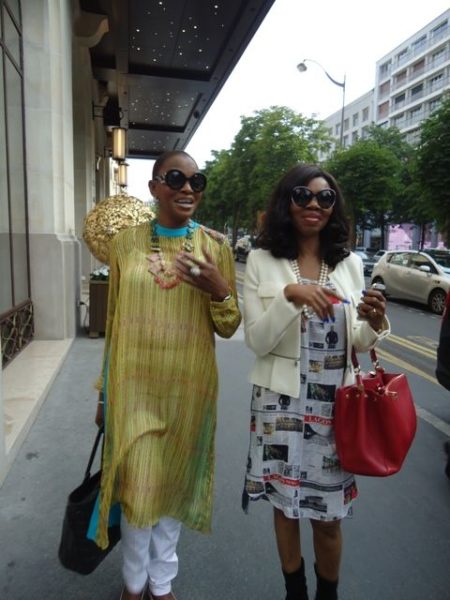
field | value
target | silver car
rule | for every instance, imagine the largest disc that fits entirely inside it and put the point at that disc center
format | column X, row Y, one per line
column 416, row 276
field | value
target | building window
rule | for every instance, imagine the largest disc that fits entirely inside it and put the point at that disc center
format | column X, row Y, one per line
column 15, row 304
column 355, row 119
column 434, row 104
column 419, row 44
column 399, row 100
column 383, row 110
column 365, row 114
column 337, row 129
column 401, row 56
column 355, row 137
column 417, row 91
column 385, row 69
column 436, row 82
column 346, row 124
column 438, row 56
column 418, row 67
column 439, row 30
column 415, row 113
column 400, row 78
column 384, row 88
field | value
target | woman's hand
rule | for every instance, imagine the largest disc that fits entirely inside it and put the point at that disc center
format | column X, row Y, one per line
column 372, row 308
column 320, row 299
column 99, row 420
column 202, row 274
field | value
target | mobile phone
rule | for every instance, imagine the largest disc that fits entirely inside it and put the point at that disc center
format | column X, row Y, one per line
column 378, row 286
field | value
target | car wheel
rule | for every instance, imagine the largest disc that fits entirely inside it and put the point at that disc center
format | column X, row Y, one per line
column 436, row 301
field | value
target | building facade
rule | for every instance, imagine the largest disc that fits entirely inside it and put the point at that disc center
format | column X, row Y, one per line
column 413, row 78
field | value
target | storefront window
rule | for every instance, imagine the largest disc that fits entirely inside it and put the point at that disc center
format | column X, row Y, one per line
column 16, row 311
column 5, row 249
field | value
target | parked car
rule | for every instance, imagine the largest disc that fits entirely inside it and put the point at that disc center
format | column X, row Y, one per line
column 243, row 247
column 378, row 254
column 368, row 262
column 413, row 275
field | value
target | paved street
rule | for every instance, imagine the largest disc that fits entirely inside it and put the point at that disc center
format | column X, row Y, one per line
column 397, row 545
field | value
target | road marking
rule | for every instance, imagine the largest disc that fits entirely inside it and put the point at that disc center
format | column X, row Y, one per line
column 404, row 365
column 436, row 422
column 406, row 343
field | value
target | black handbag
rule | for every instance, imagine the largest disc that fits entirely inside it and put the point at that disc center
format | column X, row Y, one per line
column 76, row 551
column 443, row 351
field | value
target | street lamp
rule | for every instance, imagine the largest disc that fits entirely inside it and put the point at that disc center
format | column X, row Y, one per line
column 302, row 68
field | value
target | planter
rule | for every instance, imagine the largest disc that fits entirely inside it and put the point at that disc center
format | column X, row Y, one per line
column 98, row 304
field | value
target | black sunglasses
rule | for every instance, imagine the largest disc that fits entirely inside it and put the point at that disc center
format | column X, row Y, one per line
column 176, row 179
column 302, row 196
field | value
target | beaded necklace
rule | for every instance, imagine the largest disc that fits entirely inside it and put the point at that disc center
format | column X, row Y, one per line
column 307, row 311
column 165, row 274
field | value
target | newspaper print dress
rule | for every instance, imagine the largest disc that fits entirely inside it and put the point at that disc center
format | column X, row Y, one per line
column 292, row 460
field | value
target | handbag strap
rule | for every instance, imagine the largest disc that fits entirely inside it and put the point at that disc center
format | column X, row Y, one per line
column 373, row 358
column 98, row 437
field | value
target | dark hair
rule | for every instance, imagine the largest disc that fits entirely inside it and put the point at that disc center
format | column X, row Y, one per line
column 165, row 156
column 278, row 234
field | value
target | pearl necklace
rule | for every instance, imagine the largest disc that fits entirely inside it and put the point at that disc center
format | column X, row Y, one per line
column 307, row 311
column 165, row 275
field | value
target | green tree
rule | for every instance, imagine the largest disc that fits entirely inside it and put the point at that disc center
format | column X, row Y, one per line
column 369, row 175
column 433, row 166
column 267, row 145
column 408, row 205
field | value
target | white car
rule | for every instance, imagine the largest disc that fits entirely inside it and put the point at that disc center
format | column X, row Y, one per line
column 413, row 275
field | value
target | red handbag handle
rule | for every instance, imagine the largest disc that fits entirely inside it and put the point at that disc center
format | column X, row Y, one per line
column 373, row 358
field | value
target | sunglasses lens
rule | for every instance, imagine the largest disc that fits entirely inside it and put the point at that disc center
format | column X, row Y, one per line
column 175, row 179
column 198, row 182
column 326, row 198
column 301, row 196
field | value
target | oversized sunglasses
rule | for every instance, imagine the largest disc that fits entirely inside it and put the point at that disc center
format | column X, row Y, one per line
column 302, row 196
column 176, row 179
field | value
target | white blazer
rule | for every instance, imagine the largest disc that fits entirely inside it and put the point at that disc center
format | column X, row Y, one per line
column 271, row 322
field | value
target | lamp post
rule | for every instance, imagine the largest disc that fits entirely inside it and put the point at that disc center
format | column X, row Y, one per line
column 302, row 68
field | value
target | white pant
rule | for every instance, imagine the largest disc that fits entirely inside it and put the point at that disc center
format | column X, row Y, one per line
column 149, row 554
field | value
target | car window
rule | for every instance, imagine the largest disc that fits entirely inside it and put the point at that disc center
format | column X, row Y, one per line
column 442, row 259
column 400, row 259
column 419, row 260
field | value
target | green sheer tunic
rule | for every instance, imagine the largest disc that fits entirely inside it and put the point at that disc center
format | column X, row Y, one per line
column 161, row 384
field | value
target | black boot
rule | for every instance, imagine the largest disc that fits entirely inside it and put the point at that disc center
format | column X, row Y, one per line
column 296, row 584
column 326, row 590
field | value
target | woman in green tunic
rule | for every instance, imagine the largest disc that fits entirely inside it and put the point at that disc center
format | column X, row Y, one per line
column 172, row 288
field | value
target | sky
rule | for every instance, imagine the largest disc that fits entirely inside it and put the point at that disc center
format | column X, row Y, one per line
column 347, row 38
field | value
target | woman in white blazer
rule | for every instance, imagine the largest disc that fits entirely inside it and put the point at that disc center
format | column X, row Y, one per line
column 304, row 308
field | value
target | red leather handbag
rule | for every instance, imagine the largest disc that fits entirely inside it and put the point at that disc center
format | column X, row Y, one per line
column 375, row 421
